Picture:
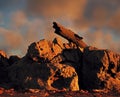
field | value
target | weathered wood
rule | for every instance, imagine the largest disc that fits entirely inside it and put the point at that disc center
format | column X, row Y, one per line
column 69, row 35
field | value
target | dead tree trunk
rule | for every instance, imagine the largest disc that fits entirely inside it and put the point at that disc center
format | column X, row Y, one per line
column 69, row 35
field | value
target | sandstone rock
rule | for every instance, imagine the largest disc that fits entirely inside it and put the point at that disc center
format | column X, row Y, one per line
column 70, row 45
column 39, row 49
column 101, row 69
column 53, row 66
column 57, row 46
column 27, row 74
column 43, row 49
column 41, row 68
column 61, row 66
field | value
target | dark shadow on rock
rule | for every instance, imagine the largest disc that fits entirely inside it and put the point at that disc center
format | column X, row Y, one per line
column 74, row 58
column 62, row 83
column 3, row 69
column 100, row 69
column 27, row 74
column 13, row 59
column 4, row 80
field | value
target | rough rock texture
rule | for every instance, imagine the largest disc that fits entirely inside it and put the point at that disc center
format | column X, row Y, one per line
column 39, row 49
column 57, row 46
column 45, row 67
column 101, row 69
column 61, row 66
column 28, row 74
column 3, row 67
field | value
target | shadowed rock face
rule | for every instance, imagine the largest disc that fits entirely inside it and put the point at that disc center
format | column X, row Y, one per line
column 13, row 59
column 101, row 69
column 3, row 67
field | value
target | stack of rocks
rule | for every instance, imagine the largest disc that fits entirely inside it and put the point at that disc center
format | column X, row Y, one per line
column 61, row 66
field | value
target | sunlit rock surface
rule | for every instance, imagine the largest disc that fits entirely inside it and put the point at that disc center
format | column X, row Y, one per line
column 46, row 66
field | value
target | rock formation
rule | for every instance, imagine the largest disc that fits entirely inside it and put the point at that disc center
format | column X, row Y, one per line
column 101, row 69
column 45, row 67
column 49, row 65
column 54, row 65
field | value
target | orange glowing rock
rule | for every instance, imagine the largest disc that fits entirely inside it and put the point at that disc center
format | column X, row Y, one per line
column 3, row 53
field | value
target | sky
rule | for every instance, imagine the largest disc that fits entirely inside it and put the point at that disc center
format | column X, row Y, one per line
column 25, row 21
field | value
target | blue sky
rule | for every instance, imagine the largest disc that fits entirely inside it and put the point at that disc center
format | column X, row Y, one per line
column 25, row 21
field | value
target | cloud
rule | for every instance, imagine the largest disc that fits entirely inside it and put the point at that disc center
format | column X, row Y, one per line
column 98, row 13
column 35, row 22
column 1, row 19
column 56, row 8
column 102, row 39
column 19, row 19
column 11, row 38
column 35, row 30
column 21, row 32
column 81, row 13
column 5, row 5
column 114, row 21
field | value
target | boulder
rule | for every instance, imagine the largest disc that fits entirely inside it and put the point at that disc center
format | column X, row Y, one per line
column 44, row 68
column 100, row 69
